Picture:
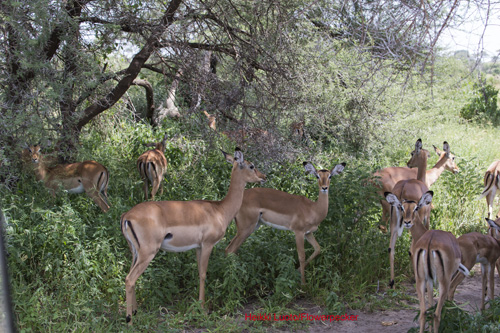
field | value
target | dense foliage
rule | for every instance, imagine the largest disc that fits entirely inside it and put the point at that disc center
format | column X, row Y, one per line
column 483, row 105
column 68, row 260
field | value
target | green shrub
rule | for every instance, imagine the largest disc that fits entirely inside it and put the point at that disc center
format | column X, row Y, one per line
column 482, row 105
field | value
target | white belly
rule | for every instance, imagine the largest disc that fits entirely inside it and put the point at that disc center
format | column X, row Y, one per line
column 77, row 190
column 275, row 226
column 165, row 246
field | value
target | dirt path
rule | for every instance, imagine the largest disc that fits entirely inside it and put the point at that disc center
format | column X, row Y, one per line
column 469, row 291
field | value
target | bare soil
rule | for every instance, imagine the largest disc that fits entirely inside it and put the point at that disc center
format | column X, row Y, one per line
column 468, row 295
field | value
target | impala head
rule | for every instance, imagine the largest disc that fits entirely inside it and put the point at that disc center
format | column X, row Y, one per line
column 162, row 144
column 450, row 164
column 324, row 176
column 417, row 154
column 247, row 169
column 407, row 211
column 495, row 227
column 34, row 152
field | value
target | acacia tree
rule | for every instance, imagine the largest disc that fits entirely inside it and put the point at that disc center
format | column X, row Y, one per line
column 245, row 61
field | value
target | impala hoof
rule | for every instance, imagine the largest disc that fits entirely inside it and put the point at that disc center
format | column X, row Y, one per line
column 128, row 319
column 391, row 284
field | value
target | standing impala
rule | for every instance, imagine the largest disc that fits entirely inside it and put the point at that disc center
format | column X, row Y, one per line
column 285, row 211
column 178, row 226
column 491, row 186
column 435, row 255
column 152, row 165
column 87, row 176
column 479, row 248
column 390, row 176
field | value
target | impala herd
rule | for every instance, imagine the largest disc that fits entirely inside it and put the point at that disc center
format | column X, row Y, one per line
column 177, row 226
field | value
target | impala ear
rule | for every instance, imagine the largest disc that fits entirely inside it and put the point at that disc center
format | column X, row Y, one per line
column 492, row 224
column 337, row 169
column 418, row 146
column 426, row 199
column 229, row 158
column 392, row 199
column 310, row 169
column 436, row 149
column 446, row 148
column 238, row 156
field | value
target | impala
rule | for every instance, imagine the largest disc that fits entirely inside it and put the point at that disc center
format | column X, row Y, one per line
column 404, row 211
column 152, row 165
column 390, row 176
column 483, row 249
column 435, row 256
column 285, row 211
column 87, row 176
column 178, row 226
column 491, row 185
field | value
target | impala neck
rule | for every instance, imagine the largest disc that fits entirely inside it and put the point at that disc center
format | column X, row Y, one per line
column 40, row 170
column 234, row 197
column 436, row 171
column 322, row 205
column 422, row 168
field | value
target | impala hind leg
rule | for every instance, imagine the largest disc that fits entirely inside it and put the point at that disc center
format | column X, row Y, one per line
column 141, row 263
column 459, row 277
column 145, row 188
column 420, row 286
column 244, row 230
column 155, row 185
column 95, row 195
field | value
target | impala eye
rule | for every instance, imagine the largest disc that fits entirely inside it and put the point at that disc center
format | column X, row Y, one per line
column 252, row 167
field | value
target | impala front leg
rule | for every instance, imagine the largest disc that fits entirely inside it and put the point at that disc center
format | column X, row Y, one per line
column 392, row 245
column 202, row 255
column 299, row 241
column 317, row 249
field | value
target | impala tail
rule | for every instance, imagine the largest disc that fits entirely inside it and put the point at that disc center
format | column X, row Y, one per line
column 462, row 269
column 131, row 237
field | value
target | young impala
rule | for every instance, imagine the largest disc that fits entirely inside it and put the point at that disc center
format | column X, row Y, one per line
column 435, row 255
column 179, row 226
column 87, row 176
column 285, row 211
column 152, row 165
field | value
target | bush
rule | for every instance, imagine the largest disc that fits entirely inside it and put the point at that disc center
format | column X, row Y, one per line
column 483, row 104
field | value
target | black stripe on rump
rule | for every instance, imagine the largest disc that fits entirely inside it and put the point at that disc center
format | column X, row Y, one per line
column 418, row 259
column 133, row 233
column 441, row 261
